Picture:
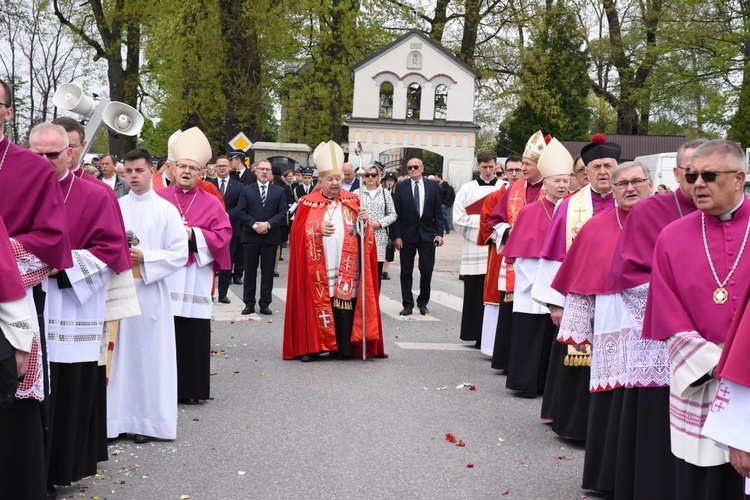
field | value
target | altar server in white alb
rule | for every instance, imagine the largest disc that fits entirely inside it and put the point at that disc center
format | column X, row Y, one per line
column 469, row 201
column 142, row 389
column 209, row 233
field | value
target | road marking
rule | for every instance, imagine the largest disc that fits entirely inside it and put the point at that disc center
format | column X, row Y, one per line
column 393, row 307
column 445, row 299
column 435, row 346
column 232, row 311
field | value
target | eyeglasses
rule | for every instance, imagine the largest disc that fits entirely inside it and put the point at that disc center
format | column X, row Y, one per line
column 262, row 169
column 635, row 182
column 371, row 176
column 499, row 174
column 53, row 155
column 580, row 171
column 691, row 177
column 514, row 171
column 188, row 167
column 413, row 167
column 6, row 104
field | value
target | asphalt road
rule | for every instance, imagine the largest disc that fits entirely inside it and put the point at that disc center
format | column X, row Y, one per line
column 278, row 429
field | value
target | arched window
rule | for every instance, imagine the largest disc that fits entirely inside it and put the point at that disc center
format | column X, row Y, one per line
column 386, row 100
column 441, row 102
column 413, row 100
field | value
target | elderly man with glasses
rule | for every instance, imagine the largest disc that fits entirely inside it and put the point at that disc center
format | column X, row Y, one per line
column 209, row 235
column 418, row 228
column 699, row 273
column 648, row 390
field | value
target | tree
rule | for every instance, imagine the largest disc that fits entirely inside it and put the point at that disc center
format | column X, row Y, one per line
column 118, row 24
column 554, row 89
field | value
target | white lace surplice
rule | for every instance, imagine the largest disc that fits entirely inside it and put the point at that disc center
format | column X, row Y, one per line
column 647, row 360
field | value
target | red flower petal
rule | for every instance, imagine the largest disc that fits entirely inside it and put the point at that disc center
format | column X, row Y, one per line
column 450, row 438
column 472, row 388
column 470, row 465
column 460, row 443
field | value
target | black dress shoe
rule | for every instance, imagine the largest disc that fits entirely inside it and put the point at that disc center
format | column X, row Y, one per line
column 275, row 274
column 424, row 311
column 237, row 281
column 248, row 310
column 224, row 300
column 266, row 311
column 309, row 357
column 141, row 439
column 386, row 277
column 405, row 312
column 188, row 401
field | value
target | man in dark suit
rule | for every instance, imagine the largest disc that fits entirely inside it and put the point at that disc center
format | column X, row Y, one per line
column 262, row 211
column 230, row 189
column 239, row 171
column 419, row 228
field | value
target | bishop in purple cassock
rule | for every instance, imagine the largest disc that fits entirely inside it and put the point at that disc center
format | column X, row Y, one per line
column 699, row 274
column 209, row 234
column 595, row 316
column 31, row 206
column 569, row 395
column 644, row 431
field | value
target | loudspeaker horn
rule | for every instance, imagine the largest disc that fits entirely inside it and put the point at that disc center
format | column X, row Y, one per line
column 123, row 119
column 71, row 97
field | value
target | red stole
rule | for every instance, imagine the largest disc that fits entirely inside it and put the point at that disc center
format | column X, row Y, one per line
column 494, row 259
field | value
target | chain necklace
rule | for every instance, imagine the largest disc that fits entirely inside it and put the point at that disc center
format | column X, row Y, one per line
column 331, row 209
column 676, row 202
column 617, row 214
column 2, row 162
column 183, row 214
column 65, row 201
column 720, row 294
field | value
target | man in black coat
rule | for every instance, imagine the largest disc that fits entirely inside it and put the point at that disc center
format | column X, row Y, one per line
column 230, row 189
column 419, row 228
column 262, row 211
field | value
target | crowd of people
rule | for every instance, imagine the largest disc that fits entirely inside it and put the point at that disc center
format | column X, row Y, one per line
column 571, row 272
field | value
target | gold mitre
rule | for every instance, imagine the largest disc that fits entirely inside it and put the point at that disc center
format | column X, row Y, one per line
column 555, row 160
column 328, row 158
column 192, row 144
column 534, row 146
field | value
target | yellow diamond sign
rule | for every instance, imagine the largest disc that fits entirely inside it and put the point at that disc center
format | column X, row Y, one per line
column 241, row 142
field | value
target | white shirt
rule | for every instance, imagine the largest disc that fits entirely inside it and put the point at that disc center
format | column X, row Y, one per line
column 110, row 182
column 421, row 194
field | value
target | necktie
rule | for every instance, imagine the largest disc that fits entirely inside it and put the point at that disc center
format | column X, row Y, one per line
column 263, row 194
column 416, row 198
column 223, row 187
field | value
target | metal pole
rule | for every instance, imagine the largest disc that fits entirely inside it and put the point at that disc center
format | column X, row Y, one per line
column 362, row 229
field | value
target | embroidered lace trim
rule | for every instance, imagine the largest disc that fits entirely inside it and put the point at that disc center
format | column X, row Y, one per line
column 577, row 325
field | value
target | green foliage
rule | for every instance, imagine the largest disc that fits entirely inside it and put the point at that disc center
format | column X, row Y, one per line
column 554, row 86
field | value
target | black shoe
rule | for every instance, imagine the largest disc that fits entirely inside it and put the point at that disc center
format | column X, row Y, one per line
column 528, row 395
column 424, row 311
column 281, row 258
column 188, row 401
column 51, row 493
column 447, row 232
column 406, row 311
column 386, row 277
column 307, row 358
column 248, row 310
column 237, row 280
column 339, row 356
column 224, row 300
column 141, row 439
column 275, row 274
column 266, row 311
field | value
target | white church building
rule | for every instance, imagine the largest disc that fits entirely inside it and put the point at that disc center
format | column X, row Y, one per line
column 414, row 93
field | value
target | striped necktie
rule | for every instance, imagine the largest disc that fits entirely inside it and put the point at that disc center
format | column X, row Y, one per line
column 263, row 194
